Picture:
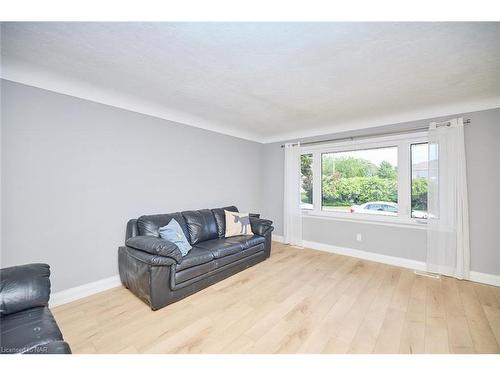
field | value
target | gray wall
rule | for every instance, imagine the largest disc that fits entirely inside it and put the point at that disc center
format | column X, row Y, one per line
column 74, row 172
column 482, row 138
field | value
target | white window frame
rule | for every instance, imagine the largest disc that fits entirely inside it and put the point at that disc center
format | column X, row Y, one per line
column 403, row 142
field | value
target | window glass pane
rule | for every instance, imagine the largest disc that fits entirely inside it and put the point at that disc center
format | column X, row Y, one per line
column 419, row 176
column 306, row 188
column 361, row 181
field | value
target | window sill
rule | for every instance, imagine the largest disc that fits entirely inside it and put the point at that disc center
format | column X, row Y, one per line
column 366, row 219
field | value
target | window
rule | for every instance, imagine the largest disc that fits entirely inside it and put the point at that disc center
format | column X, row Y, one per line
column 306, row 187
column 377, row 179
column 363, row 181
column 419, row 176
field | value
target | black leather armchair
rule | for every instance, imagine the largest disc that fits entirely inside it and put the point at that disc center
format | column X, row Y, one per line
column 155, row 270
column 26, row 323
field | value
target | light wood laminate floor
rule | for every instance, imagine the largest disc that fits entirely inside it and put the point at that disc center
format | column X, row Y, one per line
column 297, row 301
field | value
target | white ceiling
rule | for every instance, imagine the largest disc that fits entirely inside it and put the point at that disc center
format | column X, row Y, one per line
column 265, row 81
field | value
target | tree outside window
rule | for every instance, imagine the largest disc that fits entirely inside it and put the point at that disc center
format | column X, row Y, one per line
column 306, row 191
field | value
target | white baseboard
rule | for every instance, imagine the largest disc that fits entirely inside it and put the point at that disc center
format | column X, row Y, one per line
column 478, row 277
column 72, row 294
column 484, row 278
column 374, row 257
column 278, row 238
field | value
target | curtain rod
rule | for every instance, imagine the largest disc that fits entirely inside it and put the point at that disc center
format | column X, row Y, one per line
column 447, row 123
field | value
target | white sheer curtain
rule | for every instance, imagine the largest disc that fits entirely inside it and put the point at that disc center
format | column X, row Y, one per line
column 292, row 215
column 448, row 251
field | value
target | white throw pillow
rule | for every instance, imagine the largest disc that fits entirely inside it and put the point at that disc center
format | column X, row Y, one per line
column 237, row 224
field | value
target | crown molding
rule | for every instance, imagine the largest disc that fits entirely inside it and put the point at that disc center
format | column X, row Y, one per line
column 29, row 75
column 395, row 118
column 17, row 71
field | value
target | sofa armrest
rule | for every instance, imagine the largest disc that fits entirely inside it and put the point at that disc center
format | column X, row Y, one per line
column 156, row 246
column 150, row 259
column 131, row 229
column 24, row 287
column 261, row 226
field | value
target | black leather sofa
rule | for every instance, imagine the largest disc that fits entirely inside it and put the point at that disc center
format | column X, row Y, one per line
column 155, row 271
column 26, row 323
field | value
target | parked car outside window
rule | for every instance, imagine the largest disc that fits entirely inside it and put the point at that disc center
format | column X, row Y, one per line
column 384, row 208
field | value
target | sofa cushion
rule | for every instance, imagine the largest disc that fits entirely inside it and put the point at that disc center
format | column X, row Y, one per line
column 195, row 257
column 201, row 225
column 173, row 232
column 221, row 247
column 149, row 225
column 248, row 241
column 26, row 329
column 259, row 248
column 220, row 219
column 192, row 272
column 237, row 224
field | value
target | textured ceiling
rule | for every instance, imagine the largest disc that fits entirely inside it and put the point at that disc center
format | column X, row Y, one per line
column 269, row 80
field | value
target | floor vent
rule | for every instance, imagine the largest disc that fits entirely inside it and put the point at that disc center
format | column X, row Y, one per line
column 427, row 274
